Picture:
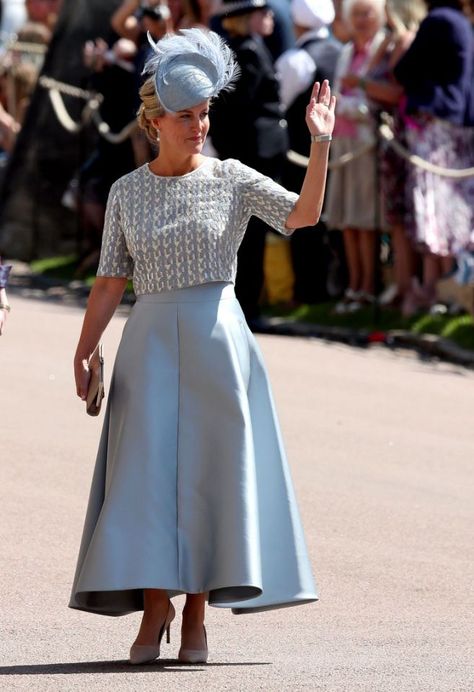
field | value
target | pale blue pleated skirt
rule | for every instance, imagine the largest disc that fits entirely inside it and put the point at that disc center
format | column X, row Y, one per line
column 191, row 491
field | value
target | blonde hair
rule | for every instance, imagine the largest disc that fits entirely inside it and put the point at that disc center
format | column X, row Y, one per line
column 150, row 108
column 406, row 14
column 238, row 25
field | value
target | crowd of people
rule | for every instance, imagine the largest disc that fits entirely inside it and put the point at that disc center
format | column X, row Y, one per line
column 26, row 31
column 408, row 61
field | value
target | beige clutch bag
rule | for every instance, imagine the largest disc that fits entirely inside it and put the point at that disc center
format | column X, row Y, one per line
column 96, row 391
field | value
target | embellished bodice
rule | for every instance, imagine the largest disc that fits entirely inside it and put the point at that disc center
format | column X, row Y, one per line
column 173, row 232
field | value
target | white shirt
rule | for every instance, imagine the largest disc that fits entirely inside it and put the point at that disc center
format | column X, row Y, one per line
column 295, row 68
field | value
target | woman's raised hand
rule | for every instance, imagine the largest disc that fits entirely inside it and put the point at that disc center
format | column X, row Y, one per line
column 320, row 116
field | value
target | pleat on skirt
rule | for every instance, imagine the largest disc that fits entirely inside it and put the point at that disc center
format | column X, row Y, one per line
column 191, row 491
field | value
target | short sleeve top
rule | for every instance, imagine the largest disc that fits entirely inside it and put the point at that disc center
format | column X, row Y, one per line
column 179, row 231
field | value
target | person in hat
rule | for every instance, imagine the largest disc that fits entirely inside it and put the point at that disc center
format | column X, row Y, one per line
column 315, row 49
column 282, row 37
column 314, row 58
column 191, row 493
column 253, row 113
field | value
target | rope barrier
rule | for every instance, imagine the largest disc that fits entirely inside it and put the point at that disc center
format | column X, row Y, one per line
column 68, row 89
column 113, row 137
column 62, row 115
column 90, row 113
column 300, row 160
column 389, row 137
column 387, row 134
column 26, row 47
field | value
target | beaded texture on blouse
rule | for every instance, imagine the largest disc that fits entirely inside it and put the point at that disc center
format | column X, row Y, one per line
column 173, row 232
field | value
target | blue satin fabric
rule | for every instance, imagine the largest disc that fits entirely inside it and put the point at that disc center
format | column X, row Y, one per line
column 191, row 492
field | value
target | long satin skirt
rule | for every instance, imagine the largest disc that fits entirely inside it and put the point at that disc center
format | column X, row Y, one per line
column 191, row 491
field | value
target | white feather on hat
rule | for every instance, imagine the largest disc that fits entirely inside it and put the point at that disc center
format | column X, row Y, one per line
column 190, row 67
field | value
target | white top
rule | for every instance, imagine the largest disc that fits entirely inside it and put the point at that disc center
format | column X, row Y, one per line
column 170, row 232
column 295, row 68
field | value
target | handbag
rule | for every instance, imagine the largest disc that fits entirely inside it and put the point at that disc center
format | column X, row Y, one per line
column 96, row 390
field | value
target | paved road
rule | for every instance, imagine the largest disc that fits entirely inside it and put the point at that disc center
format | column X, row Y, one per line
column 382, row 453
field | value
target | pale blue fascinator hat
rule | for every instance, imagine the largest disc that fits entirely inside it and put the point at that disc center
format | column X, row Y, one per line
column 190, row 67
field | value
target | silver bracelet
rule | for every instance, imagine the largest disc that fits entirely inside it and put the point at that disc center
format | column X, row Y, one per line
column 321, row 138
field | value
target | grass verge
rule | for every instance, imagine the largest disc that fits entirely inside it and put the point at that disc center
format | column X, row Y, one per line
column 63, row 268
column 456, row 328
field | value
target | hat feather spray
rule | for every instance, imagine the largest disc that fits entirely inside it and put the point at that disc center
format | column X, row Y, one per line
column 190, row 67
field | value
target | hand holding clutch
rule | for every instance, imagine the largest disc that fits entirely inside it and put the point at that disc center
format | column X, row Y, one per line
column 96, row 391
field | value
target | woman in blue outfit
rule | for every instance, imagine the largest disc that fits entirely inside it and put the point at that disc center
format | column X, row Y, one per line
column 191, row 492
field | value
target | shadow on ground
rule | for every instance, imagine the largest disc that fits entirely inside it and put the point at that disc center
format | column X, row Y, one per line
column 82, row 667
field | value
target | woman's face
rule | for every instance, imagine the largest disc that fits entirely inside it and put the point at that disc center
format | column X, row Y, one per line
column 261, row 22
column 185, row 130
column 364, row 20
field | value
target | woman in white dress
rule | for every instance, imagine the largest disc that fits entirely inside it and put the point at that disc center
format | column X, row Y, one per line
column 191, row 493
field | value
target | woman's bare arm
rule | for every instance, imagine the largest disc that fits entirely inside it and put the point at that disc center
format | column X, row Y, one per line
column 320, row 121
column 124, row 22
column 104, row 298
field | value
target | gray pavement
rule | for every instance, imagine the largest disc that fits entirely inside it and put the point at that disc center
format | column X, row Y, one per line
column 382, row 451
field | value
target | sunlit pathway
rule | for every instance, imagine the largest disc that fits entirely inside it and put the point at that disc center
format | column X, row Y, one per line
column 382, row 452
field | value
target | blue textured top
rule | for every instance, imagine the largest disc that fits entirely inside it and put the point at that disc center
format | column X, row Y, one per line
column 437, row 69
column 169, row 232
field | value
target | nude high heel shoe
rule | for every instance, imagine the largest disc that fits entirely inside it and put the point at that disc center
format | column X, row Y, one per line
column 143, row 653
column 194, row 655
